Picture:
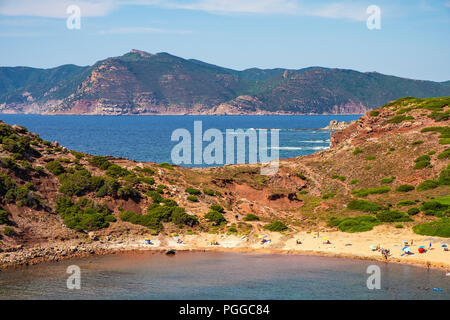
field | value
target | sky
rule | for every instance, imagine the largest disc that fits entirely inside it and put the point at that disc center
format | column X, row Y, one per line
column 412, row 41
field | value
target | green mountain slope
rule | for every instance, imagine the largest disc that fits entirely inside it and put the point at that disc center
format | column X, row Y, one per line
column 142, row 83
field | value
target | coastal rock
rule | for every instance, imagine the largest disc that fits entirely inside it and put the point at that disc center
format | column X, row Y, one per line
column 336, row 125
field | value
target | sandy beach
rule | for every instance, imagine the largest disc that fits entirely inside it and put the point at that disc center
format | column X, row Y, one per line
column 348, row 245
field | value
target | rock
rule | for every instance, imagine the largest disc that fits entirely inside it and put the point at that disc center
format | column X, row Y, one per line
column 336, row 125
column 170, row 252
column 92, row 236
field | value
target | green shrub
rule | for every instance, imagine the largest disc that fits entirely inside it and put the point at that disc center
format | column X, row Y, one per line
column 335, row 176
column 301, row 176
column 354, row 224
column 127, row 192
column 444, row 154
column 209, row 192
column 400, row 118
column 166, row 165
column 413, row 211
column 439, row 228
column 363, row 205
column 99, row 162
column 393, row 216
column 55, row 167
column 8, row 231
column 370, row 157
column 417, row 142
column 427, row 185
column 444, row 177
column 357, row 151
column 387, row 180
column 216, row 217
column 328, row 195
column 4, row 217
column 366, row 192
column 84, row 215
column 78, row 155
column 218, row 208
column 147, row 180
column 367, row 167
column 192, row 198
column 251, row 217
column 399, row 226
column 117, row 171
column 354, row 181
column 374, row 113
column 435, row 208
column 276, row 226
column 75, row 184
column 145, row 170
column 404, row 203
column 404, row 188
column 193, row 191
column 422, row 162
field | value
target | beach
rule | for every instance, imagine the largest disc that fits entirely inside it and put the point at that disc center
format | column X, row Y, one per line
column 345, row 245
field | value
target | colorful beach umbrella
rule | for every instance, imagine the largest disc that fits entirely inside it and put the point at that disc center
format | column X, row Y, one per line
column 422, row 247
column 406, row 249
column 444, row 246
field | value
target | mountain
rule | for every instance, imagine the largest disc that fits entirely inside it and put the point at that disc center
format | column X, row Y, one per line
column 142, row 83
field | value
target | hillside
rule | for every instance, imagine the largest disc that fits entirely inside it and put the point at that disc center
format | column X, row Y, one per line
column 391, row 168
column 144, row 83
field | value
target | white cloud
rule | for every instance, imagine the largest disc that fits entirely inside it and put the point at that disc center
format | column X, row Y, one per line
column 56, row 8
column 141, row 30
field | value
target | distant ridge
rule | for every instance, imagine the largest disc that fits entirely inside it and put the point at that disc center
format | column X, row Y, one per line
column 142, row 83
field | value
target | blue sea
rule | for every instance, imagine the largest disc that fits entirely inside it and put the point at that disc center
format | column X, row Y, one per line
column 148, row 138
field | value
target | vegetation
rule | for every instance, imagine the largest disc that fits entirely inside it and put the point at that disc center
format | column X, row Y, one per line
column 439, row 228
column 192, row 198
column 400, row 118
column 370, row 157
column 354, row 224
column 209, row 192
column 8, row 231
column 216, row 217
column 166, row 165
column 55, row 167
column 393, row 216
column 4, row 217
column 404, row 203
column 387, row 180
column 435, row 208
column 328, row 195
column 363, row 205
column 276, row 226
column 427, row 185
column 193, row 191
column 413, row 211
column 84, row 215
column 366, row 192
column 251, row 217
column 422, row 162
column 404, row 188
column 338, row 177
column 357, row 151
column 374, row 113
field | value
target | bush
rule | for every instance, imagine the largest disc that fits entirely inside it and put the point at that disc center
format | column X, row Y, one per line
column 422, row 162
column 78, row 155
column 393, row 216
column 400, row 118
column 301, row 176
column 366, row 192
column 439, row 228
column 328, row 195
column 192, row 198
column 216, row 207
column 404, row 203
column 251, row 217
column 374, row 113
column 370, row 158
column 342, row 178
column 209, row 192
column 117, row 171
column 417, row 142
column 55, row 167
column 276, row 226
column 355, row 224
column 435, row 208
column 399, row 226
column 363, row 205
column 216, row 217
column 413, row 211
column 444, row 177
column 4, row 217
column 99, row 162
column 387, row 180
column 354, row 181
column 127, row 192
column 84, row 215
column 427, row 185
column 75, row 184
column 145, row 170
column 147, row 180
column 166, row 165
column 404, row 188
column 357, row 151
column 8, row 231
column 444, row 154
column 193, row 191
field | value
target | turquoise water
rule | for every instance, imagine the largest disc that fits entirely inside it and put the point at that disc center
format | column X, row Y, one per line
column 148, row 138
column 213, row 275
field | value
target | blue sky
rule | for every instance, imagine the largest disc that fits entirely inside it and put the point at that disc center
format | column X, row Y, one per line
column 413, row 42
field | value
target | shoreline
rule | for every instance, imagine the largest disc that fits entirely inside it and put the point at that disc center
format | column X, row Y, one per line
column 76, row 249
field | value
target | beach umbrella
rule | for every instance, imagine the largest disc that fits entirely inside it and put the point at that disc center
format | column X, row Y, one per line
column 421, row 250
column 406, row 249
column 325, row 238
column 422, row 247
column 373, row 247
column 444, row 246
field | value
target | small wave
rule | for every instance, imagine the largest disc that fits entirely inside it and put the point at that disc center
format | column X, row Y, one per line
column 298, row 148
